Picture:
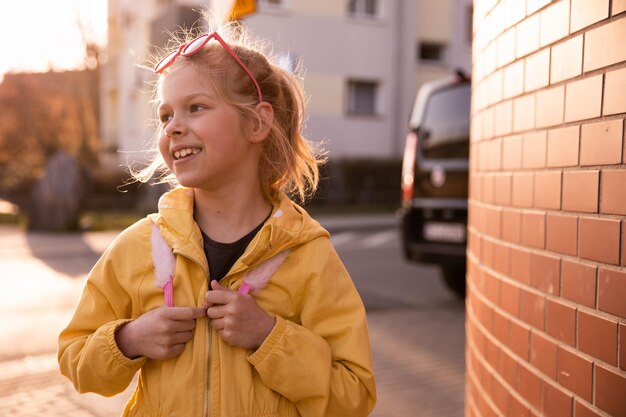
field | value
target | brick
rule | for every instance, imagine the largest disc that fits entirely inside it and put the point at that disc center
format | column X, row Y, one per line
column 514, row 11
column 534, row 229
column 500, row 396
column 619, row 6
column 488, row 192
column 537, row 70
column 501, row 258
column 533, row 5
column 567, row 59
column 601, row 143
column 527, row 36
column 563, row 146
column 513, row 79
column 561, row 321
column 494, row 89
column 554, row 23
column 596, row 54
column 578, row 283
column 529, row 386
column 575, row 373
column 534, row 149
column 613, row 186
column 599, row 239
column 556, row 402
column 622, row 346
column 519, row 340
column 492, row 291
column 548, row 190
column 488, row 124
column 503, row 118
column 562, row 234
column 597, row 337
column 611, row 290
column 523, row 184
column 587, row 12
column 533, row 309
column 494, row 222
column 508, row 368
column 610, row 392
column 510, row 297
column 517, row 409
column 550, row 107
column 524, row 113
column 580, row 191
column 521, row 265
column 502, row 188
column 583, row 98
column 623, row 243
column 582, row 410
column 511, row 225
column 512, row 153
column 546, row 273
column 506, row 47
column 614, row 87
column 500, row 328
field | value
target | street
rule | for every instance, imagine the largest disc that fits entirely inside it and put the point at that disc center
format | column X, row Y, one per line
column 416, row 325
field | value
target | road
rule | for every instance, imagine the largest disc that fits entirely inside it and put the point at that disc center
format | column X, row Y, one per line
column 416, row 325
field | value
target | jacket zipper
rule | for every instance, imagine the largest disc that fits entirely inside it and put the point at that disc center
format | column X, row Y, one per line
column 207, row 396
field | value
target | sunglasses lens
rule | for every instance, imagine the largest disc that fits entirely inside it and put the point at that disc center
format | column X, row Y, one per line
column 165, row 62
column 195, row 45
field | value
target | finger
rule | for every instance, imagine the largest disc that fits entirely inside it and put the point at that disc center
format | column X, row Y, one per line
column 184, row 325
column 216, row 286
column 185, row 313
column 217, row 324
column 216, row 312
column 181, row 337
column 219, row 297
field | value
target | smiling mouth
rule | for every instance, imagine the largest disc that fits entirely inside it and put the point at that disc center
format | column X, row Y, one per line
column 183, row 153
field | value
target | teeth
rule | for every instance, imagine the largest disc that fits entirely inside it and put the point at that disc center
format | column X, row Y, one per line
column 184, row 152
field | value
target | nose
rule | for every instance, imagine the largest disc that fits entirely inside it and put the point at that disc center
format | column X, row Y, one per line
column 175, row 127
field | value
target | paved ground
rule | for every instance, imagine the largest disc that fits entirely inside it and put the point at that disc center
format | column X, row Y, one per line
column 418, row 352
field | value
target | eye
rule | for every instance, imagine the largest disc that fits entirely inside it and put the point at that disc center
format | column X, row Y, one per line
column 165, row 118
column 196, row 107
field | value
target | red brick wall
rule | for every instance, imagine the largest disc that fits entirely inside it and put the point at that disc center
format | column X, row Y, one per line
column 546, row 306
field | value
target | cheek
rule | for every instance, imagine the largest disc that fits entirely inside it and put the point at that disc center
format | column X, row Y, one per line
column 164, row 148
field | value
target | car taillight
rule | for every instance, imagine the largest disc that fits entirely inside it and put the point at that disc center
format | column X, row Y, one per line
column 408, row 168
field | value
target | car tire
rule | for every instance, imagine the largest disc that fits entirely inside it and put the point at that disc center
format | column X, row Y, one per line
column 454, row 278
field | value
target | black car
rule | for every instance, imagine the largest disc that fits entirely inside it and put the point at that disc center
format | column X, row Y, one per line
column 435, row 179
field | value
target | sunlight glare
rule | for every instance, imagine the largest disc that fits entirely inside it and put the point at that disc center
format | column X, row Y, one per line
column 39, row 35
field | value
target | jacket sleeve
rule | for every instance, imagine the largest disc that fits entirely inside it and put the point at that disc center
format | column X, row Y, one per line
column 322, row 365
column 88, row 354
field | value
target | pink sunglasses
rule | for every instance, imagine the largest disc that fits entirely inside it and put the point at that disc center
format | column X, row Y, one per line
column 192, row 47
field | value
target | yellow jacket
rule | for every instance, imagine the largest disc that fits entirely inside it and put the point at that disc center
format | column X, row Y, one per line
column 316, row 361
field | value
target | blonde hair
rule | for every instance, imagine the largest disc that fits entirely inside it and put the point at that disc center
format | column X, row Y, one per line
column 289, row 162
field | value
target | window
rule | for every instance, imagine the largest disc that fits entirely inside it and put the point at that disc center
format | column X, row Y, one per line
column 431, row 52
column 362, row 97
column 362, row 7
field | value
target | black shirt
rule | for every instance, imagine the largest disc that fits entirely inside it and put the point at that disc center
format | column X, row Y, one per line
column 222, row 256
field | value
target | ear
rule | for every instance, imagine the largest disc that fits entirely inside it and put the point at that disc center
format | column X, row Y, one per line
column 263, row 123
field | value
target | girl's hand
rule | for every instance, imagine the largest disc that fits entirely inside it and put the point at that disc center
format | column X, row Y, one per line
column 160, row 333
column 238, row 318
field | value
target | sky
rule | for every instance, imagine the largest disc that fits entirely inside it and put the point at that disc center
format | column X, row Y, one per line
column 38, row 35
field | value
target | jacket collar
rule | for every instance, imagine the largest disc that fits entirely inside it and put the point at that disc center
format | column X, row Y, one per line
column 289, row 225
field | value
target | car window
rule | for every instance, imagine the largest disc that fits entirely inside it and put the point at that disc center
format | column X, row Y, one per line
column 444, row 131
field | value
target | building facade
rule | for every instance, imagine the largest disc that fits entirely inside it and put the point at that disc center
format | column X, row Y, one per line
column 364, row 60
column 546, row 305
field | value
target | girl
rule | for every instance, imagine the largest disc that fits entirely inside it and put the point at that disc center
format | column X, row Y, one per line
column 230, row 134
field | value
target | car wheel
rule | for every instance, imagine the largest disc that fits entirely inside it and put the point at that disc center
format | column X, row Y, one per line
column 454, row 278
